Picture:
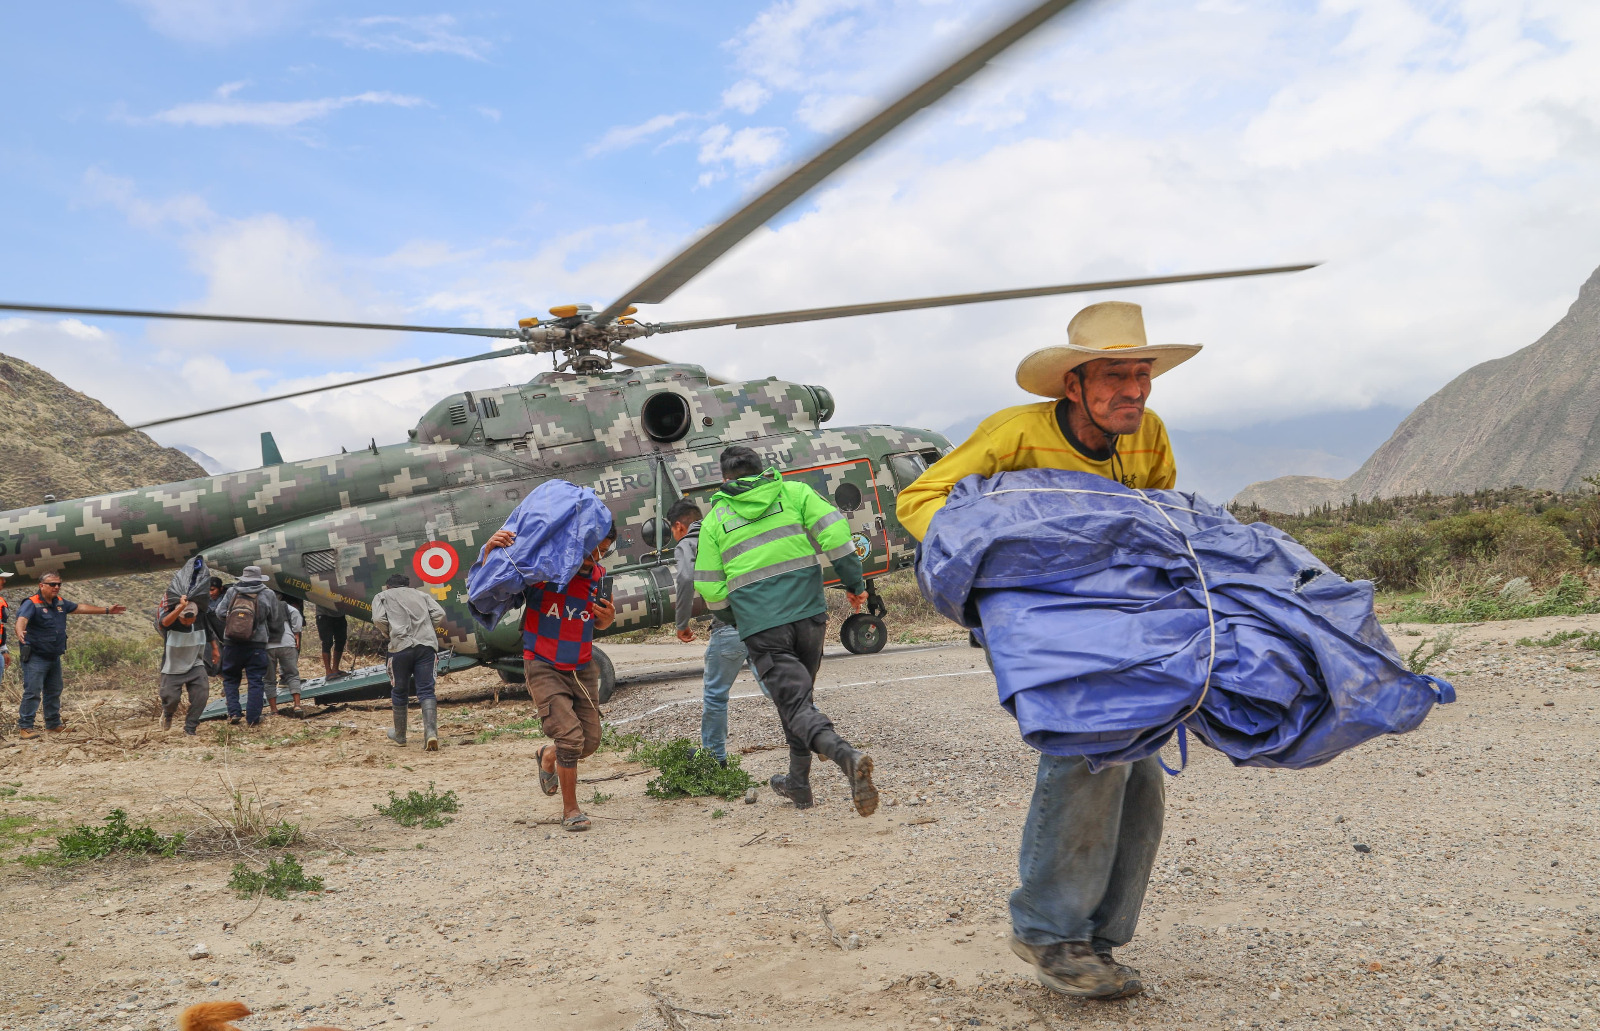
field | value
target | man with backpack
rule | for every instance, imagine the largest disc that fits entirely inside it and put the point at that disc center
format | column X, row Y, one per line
column 251, row 617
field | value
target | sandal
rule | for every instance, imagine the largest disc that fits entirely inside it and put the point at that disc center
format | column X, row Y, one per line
column 576, row 822
column 548, row 782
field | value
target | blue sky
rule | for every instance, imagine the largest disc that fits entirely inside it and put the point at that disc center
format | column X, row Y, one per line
column 470, row 165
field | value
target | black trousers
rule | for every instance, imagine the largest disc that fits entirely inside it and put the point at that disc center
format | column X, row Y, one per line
column 787, row 658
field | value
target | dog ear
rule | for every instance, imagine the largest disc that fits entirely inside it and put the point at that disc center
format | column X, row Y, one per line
column 212, row 1016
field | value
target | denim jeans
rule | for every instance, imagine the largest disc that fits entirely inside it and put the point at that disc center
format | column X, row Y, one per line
column 1087, row 850
column 411, row 669
column 250, row 660
column 41, row 679
column 725, row 655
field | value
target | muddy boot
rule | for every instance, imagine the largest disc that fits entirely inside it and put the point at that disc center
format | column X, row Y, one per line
column 796, row 786
column 1132, row 983
column 857, row 767
column 1071, row 968
column 398, row 734
column 430, row 724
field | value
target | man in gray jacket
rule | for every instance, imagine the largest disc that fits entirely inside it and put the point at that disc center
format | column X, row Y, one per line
column 725, row 654
column 409, row 617
column 250, row 618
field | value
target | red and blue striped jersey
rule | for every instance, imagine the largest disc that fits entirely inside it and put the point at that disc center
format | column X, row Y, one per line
column 558, row 625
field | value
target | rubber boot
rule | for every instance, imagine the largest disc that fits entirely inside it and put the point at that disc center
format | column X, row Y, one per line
column 857, row 767
column 430, row 724
column 398, row 734
column 796, row 785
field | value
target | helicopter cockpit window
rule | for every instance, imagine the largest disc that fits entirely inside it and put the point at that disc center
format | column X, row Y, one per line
column 906, row 468
column 666, row 416
column 847, row 497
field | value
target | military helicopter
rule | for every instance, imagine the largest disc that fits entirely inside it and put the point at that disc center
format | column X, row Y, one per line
column 641, row 430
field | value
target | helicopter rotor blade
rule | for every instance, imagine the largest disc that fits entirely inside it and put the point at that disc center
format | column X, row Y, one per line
column 636, row 358
column 507, row 352
column 132, row 313
column 842, row 311
column 693, row 259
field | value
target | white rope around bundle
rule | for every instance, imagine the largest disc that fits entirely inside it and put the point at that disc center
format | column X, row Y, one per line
column 1159, row 506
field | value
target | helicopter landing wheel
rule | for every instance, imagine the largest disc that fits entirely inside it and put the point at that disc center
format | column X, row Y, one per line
column 864, row 634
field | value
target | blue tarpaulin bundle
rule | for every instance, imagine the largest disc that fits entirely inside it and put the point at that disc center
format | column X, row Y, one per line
column 1112, row 616
column 557, row 525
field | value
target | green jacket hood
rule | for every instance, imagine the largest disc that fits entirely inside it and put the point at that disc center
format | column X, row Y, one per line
column 750, row 496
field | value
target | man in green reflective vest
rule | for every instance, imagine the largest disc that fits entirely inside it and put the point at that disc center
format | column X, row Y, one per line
column 759, row 568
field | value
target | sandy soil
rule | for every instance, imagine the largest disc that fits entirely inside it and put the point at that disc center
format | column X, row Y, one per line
column 1475, row 907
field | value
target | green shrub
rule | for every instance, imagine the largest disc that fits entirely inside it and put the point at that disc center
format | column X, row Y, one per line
column 85, row 844
column 1456, row 596
column 418, row 808
column 1395, row 557
column 689, row 771
column 282, row 876
column 1590, row 641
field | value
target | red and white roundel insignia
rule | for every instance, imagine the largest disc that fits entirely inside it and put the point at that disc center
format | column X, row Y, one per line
column 435, row 562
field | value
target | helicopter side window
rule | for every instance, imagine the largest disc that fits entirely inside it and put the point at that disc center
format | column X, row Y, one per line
column 906, row 468
column 847, row 498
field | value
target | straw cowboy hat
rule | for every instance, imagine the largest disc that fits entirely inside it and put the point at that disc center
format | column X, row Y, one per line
column 1110, row 329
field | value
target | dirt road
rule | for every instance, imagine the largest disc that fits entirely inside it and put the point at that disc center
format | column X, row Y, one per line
column 1476, row 905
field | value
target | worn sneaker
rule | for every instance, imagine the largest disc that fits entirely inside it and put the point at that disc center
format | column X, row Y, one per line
column 1132, row 984
column 166, row 721
column 1071, row 968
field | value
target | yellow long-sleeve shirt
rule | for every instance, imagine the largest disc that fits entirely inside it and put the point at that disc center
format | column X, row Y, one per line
column 1029, row 437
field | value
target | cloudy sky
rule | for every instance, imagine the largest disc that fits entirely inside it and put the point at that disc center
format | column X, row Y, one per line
column 469, row 165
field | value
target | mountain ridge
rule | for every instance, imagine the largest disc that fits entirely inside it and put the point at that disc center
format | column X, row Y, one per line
column 1528, row 419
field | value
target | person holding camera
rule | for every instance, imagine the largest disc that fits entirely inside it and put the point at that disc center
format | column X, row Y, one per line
column 183, row 662
column 558, row 625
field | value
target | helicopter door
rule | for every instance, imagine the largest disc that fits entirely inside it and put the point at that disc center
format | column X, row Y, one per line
column 853, row 489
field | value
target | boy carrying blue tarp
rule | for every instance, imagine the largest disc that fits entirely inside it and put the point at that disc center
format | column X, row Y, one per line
column 558, row 625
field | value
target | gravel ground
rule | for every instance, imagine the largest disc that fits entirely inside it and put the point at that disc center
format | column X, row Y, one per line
column 1443, row 879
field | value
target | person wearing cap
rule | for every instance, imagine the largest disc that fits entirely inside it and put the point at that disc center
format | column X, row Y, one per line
column 409, row 617
column 1090, row 839
column 250, row 618
column 42, row 636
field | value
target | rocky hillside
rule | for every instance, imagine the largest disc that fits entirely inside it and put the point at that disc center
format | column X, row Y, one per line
column 1530, row 419
column 46, row 436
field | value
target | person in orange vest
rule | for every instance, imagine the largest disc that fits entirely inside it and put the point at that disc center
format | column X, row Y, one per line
column 42, row 631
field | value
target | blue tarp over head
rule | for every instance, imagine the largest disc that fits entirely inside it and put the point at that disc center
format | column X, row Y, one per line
column 557, row 525
column 1089, row 601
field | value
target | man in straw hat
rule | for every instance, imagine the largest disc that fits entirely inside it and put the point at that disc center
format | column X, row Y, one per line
column 1091, row 838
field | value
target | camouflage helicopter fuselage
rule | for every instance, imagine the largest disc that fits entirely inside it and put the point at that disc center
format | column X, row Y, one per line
column 332, row 530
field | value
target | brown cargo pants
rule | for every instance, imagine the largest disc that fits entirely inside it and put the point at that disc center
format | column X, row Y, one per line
column 569, row 707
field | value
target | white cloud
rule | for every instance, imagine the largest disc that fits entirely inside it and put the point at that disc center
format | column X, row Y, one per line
column 491, row 113
column 744, row 148
column 184, row 210
column 216, row 22
column 276, row 114
column 411, row 34
column 745, row 96
column 622, row 137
